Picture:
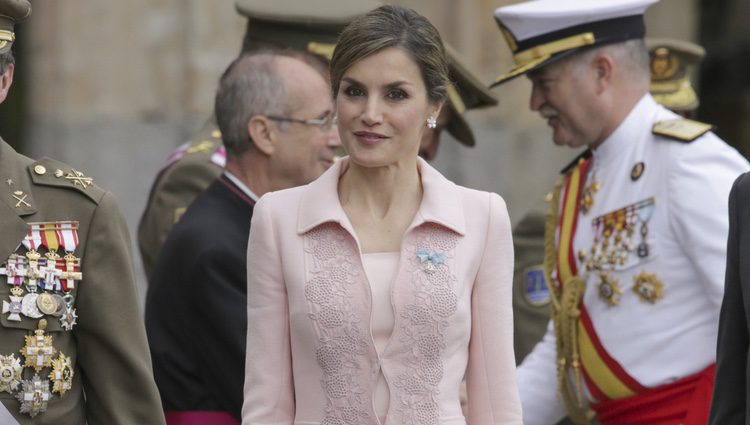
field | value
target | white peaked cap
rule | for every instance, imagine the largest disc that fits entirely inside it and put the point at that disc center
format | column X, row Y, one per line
column 541, row 31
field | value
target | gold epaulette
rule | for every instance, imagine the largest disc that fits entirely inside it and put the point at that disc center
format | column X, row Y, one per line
column 205, row 142
column 585, row 154
column 681, row 129
column 49, row 172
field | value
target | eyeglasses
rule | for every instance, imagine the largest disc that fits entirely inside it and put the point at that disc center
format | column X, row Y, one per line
column 324, row 123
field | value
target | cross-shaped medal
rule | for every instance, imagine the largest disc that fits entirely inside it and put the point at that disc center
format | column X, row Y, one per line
column 15, row 306
column 14, row 269
column 61, row 375
column 70, row 275
column 50, row 274
column 34, row 396
column 38, row 350
column 33, row 268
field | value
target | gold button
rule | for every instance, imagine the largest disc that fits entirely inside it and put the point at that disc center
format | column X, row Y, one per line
column 216, row 134
column 39, row 169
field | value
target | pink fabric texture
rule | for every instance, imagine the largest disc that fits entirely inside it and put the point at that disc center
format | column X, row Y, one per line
column 311, row 357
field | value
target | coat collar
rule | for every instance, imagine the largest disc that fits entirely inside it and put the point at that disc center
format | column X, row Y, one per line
column 441, row 201
column 13, row 228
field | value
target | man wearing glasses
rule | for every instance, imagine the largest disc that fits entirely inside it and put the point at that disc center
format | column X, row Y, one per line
column 275, row 113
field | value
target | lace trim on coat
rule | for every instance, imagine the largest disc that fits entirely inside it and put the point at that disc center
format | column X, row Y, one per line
column 423, row 318
column 341, row 325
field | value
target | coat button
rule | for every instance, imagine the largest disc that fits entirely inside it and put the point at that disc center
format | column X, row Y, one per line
column 39, row 169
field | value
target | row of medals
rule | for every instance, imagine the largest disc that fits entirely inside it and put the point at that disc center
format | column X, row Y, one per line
column 613, row 244
column 39, row 351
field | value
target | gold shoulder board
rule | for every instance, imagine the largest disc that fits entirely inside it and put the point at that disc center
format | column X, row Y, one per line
column 681, row 129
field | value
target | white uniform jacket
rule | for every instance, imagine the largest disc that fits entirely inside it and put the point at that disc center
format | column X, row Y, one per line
column 686, row 233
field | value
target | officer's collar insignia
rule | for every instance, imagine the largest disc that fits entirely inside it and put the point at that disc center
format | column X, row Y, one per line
column 637, row 171
column 535, row 289
column 681, row 129
column 20, row 199
column 79, row 179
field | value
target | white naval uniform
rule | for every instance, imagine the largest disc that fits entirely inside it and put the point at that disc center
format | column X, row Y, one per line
column 676, row 336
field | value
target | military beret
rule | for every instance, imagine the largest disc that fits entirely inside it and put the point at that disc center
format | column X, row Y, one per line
column 540, row 32
column 306, row 25
column 466, row 92
column 11, row 13
column 670, row 65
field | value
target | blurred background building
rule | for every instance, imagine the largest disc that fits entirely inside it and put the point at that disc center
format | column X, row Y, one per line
column 112, row 87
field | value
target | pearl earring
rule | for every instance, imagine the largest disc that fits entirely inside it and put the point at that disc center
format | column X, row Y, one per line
column 431, row 122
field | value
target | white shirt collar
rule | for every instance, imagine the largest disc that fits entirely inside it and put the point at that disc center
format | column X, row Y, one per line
column 241, row 185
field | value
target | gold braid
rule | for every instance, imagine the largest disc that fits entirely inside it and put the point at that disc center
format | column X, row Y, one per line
column 565, row 316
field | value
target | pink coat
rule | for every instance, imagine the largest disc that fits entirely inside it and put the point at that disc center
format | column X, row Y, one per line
column 310, row 352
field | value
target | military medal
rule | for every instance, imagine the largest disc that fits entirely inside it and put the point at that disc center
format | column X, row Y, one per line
column 68, row 319
column 10, row 373
column 609, row 290
column 61, row 375
column 34, row 396
column 61, row 305
column 70, row 274
column 46, row 303
column 49, row 272
column 32, row 273
column 644, row 216
column 648, row 287
column 15, row 269
column 14, row 308
column 38, row 350
column 29, row 307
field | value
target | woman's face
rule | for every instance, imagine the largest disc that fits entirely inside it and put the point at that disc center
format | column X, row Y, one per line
column 382, row 109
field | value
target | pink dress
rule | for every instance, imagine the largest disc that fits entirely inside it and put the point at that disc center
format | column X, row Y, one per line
column 381, row 269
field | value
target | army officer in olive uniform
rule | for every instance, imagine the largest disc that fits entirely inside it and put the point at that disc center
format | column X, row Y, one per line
column 72, row 346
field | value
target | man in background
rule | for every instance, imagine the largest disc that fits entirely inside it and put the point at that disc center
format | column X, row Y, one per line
column 275, row 113
column 300, row 24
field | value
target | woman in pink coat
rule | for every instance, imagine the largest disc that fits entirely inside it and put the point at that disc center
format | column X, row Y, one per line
column 374, row 290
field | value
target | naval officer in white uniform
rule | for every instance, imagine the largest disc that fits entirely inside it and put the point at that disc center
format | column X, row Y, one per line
column 638, row 226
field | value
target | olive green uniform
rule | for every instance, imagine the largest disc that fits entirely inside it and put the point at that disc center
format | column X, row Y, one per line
column 175, row 188
column 107, row 344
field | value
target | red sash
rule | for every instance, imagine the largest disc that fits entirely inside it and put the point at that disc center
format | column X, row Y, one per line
column 683, row 402
column 199, row 418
